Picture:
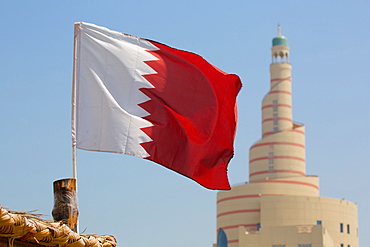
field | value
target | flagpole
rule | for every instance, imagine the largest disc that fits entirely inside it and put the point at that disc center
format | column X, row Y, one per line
column 74, row 141
column 73, row 118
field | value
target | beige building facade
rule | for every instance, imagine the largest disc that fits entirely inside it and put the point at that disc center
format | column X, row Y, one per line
column 281, row 206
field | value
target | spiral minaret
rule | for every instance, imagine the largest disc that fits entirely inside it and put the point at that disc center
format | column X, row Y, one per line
column 280, row 206
column 281, row 151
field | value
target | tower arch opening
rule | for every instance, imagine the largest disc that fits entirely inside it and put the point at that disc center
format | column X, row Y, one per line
column 221, row 238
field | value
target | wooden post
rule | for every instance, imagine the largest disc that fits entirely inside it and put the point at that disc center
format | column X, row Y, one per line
column 65, row 202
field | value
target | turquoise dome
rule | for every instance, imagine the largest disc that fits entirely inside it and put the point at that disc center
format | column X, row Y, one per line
column 279, row 40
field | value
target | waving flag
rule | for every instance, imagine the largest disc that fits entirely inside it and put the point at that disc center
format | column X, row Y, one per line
column 139, row 97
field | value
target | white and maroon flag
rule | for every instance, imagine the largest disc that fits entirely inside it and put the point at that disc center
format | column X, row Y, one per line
column 139, row 97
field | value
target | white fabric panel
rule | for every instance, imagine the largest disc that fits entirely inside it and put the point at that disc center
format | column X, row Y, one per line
column 109, row 66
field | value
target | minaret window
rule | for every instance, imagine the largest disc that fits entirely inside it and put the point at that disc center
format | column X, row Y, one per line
column 274, row 103
column 348, row 229
column 275, row 115
column 275, row 122
column 276, row 129
column 270, row 161
column 280, row 58
column 341, row 227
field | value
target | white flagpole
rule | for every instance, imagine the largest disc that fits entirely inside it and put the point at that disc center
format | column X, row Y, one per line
column 74, row 153
column 73, row 122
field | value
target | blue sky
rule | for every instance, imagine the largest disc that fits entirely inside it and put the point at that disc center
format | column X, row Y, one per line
column 142, row 203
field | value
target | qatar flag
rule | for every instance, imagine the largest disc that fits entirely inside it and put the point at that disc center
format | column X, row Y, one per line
column 139, row 97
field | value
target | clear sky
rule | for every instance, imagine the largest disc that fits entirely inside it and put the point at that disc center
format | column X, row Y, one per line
column 138, row 201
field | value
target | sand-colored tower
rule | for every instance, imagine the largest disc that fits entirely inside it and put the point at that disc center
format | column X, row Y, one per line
column 280, row 206
column 281, row 152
